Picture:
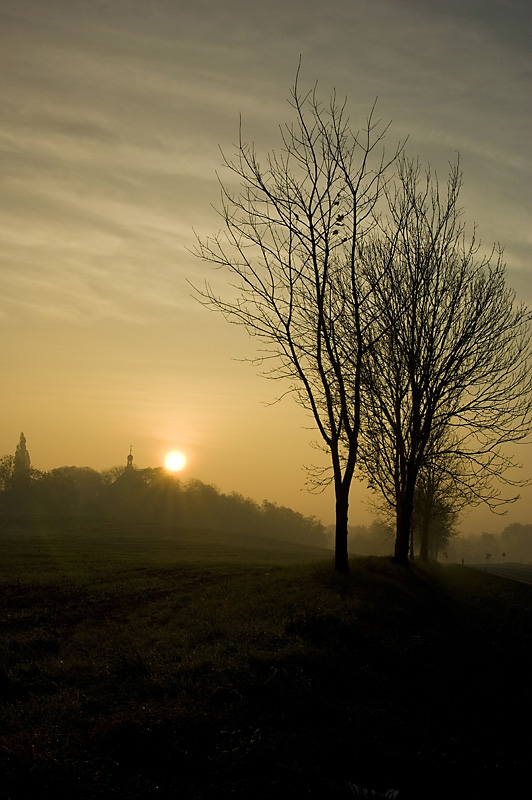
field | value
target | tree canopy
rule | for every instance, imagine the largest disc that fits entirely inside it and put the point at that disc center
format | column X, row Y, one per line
column 447, row 383
column 377, row 311
column 289, row 245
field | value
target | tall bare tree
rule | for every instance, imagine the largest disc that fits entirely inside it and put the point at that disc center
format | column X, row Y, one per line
column 437, row 505
column 448, row 373
column 289, row 242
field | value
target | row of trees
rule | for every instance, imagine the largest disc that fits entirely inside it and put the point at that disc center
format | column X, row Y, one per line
column 150, row 495
column 386, row 321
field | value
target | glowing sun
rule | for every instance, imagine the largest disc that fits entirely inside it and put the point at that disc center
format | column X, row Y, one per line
column 175, row 461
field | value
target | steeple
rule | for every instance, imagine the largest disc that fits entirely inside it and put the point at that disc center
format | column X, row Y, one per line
column 130, row 458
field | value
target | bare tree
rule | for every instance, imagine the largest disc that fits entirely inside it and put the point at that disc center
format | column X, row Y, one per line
column 436, row 509
column 448, row 374
column 445, row 486
column 289, row 243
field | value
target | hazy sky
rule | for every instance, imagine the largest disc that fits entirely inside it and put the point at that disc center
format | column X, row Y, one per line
column 112, row 116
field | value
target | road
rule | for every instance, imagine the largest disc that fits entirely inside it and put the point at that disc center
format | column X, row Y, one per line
column 516, row 572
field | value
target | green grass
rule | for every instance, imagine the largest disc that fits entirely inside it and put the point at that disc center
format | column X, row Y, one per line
column 139, row 662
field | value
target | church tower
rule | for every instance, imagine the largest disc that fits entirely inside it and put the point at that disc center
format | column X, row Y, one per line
column 125, row 496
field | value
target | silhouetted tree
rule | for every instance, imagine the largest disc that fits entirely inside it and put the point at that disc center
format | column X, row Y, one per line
column 291, row 525
column 71, row 490
column 435, row 512
column 443, row 490
column 19, row 493
column 516, row 542
column 21, row 462
column 289, row 244
column 447, row 375
column 110, row 475
column 6, row 471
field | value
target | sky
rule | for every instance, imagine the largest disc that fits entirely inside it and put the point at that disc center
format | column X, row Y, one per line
column 113, row 114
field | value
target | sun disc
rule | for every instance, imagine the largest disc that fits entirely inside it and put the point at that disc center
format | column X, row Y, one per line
column 175, row 461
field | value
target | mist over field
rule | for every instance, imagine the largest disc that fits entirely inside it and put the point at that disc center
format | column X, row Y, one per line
column 156, row 496
column 512, row 544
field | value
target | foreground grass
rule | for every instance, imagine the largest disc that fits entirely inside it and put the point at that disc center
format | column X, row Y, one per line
column 138, row 662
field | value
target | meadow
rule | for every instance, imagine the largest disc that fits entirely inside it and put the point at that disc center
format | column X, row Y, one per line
column 143, row 661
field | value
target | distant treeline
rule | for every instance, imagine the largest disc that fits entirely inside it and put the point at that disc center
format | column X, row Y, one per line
column 514, row 543
column 150, row 494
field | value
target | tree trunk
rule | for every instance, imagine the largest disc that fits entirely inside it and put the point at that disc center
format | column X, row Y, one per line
column 341, row 560
column 404, row 523
column 433, row 551
column 424, row 543
column 402, row 542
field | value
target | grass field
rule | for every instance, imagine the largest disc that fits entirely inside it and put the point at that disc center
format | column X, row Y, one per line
column 142, row 662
